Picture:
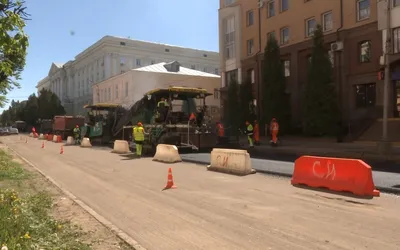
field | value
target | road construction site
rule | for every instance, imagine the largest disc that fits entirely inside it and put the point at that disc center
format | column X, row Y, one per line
column 211, row 210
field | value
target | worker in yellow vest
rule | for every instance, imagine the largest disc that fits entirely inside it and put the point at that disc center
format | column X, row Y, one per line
column 138, row 136
column 249, row 133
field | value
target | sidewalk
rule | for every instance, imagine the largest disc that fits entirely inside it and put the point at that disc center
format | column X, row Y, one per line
column 297, row 146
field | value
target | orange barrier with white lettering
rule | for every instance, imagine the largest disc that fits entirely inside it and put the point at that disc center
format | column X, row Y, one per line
column 336, row 174
column 49, row 137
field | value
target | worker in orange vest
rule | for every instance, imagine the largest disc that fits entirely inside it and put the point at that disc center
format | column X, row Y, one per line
column 274, row 128
column 256, row 133
column 220, row 130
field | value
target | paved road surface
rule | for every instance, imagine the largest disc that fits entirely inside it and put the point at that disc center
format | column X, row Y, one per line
column 387, row 181
column 210, row 210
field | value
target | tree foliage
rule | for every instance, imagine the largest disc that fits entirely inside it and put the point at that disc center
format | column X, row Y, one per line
column 275, row 100
column 246, row 101
column 232, row 109
column 46, row 106
column 13, row 45
column 321, row 111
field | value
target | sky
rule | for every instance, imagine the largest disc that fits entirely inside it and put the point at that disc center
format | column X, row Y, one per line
column 187, row 23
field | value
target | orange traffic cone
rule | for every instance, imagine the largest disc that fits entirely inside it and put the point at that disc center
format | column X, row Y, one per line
column 62, row 150
column 170, row 182
column 42, row 144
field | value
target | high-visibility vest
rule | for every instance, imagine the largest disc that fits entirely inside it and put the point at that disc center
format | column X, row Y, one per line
column 250, row 130
column 221, row 131
column 274, row 126
column 138, row 133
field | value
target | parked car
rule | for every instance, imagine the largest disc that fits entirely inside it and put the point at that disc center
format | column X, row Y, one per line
column 4, row 131
column 13, row 131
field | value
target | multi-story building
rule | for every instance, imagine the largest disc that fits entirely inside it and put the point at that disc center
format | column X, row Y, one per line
column 111, row 56
column 351, row 36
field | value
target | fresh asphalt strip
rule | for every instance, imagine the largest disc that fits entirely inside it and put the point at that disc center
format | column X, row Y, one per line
column 385, row 189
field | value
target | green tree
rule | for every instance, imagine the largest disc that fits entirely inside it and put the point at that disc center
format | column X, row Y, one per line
column 13, row 45
column 275, row 100
column 321, row 111
column 246, row 100
column 49, row 105
column 31, row 110
column 232, row 115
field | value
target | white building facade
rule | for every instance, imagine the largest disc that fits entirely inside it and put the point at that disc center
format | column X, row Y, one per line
column 111, row 56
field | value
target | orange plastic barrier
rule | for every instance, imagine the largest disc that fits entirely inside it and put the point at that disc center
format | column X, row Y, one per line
column 59, row 138
column 336, row 174
column 49, row 137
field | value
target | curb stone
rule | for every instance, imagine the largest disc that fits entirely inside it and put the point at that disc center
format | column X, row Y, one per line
column 123, row 236
column 388, row 190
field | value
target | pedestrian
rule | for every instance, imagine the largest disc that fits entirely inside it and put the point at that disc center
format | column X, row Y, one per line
column 220, row 132
column 249, row 132
column 138, row 136
column 274, row 128
column 256, row 133
column 77, row 134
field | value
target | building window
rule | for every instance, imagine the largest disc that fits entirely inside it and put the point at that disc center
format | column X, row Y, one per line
column 229, row 2
column 363, row 9
column 251, row 76
column 109, row 94
column 365, row 95
column 104, row 74
column 230, row 38
column 205, row 69
column 271, row 9
column 231, row 76
column 126, row 89
column 310, row 27
column 396, row 40
column 250, row 18
column 286, row 68
column 284, row 35
column 284, row 5
column 216, row 93
column 327, row 21
column 396, row 3
column 216, row 71
column 116, row 91
column 153, row 62
column 193, row 66
column 122, row 61
column 270, row 35
column 365, row 51
column 138, row 62
column 250, row 47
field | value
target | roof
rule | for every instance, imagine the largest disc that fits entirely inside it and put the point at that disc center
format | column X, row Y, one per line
column 159, row 68
column 184, row 91
column 59, row 65
column 102, row 105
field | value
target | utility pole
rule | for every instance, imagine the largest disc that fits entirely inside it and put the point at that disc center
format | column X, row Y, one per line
column 387, row 75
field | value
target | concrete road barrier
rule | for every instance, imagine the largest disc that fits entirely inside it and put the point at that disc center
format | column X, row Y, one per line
column 41, row 137
column 86, row 143
column 232, row 161
column 121, row 147
column 70, row 140
column 54, row 138
column 167, row 153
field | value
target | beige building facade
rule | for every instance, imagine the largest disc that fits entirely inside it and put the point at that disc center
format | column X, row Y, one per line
column 131, row 86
